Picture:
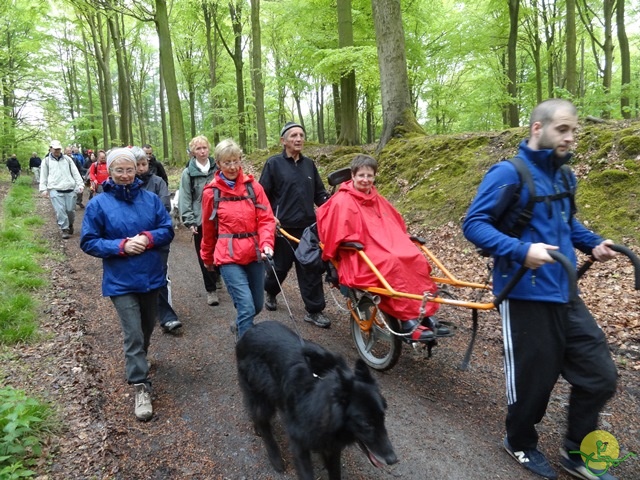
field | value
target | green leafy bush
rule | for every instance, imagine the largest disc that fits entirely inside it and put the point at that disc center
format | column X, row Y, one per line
column 24, row 423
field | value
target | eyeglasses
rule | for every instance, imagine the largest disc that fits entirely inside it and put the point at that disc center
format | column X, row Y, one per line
column 232, row 163
column 123, row 171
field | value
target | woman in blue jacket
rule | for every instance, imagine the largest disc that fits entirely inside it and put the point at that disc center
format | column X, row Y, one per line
column 127, row 227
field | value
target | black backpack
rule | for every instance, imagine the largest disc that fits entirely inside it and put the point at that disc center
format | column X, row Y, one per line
column 515, row 228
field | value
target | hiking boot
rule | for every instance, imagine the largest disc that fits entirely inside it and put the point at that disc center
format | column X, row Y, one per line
column 70, row 229
column 271, row 302
column 533, row 460
column 574, row 464
column 419, row 333
column 212, row 299
column 65, row 233
column 143, row 408
column 171, row 325
column 318, row 319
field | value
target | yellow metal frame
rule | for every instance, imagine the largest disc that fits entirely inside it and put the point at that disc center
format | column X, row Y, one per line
column 388, row 291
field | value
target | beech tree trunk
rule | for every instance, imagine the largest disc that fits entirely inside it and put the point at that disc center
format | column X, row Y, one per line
column 256, row 72
column 178, row 142
column 397, row 115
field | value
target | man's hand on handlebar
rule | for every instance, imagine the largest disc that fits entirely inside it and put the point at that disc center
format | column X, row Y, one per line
column 267, row 252
column 602, row 252
column 538, row 255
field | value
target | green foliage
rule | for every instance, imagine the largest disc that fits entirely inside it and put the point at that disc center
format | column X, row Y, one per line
column 19, row 268
column 24, row 423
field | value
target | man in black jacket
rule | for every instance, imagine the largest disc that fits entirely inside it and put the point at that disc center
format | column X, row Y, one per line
column 155, row 166
column 34, row 164
column 293, row 185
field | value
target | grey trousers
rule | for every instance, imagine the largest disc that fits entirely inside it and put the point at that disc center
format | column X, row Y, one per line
column 64, row 204
column 137, row 312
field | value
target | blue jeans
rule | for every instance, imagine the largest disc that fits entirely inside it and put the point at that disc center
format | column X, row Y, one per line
column 245, row 284
column 137, row 312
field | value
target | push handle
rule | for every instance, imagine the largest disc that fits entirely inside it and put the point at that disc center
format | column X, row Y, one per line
column 558, row 257
column 620, row 249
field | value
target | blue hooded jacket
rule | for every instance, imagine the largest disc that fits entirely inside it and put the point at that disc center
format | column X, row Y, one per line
column 552, row 223
column 121, row 212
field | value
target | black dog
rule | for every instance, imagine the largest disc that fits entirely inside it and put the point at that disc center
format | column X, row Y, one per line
column 325, row 406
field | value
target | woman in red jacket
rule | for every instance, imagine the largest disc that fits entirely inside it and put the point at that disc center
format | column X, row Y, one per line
column 238, row 230
column 98, row 172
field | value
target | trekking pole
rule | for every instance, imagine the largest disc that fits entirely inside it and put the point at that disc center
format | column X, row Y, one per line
column 273, row 269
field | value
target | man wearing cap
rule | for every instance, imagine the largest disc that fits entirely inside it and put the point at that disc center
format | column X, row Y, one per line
column 293, row 185
column 61, row 181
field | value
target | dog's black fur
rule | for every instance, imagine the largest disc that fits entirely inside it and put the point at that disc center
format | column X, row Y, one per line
column 325, row 405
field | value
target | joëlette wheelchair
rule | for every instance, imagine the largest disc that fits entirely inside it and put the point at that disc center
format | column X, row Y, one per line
column 377, row 334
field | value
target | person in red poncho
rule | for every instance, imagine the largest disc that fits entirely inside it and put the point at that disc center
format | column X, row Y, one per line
column 358, row 213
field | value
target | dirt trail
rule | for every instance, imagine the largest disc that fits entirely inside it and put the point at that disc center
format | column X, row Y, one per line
column 443, row 423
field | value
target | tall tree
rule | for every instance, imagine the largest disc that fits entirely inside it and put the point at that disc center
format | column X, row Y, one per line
column 256, row 71
column 124, row 86
column 176, row 122
column 625, row 60
column 235, row 12
column 209, row 11
column 348, row 90
column 397, row 116
column 512, row 64
column 571, row 52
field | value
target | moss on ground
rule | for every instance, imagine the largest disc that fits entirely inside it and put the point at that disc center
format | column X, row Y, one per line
column 432, row 179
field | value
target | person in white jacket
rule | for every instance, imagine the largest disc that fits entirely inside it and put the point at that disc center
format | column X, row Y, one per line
column 61, row 181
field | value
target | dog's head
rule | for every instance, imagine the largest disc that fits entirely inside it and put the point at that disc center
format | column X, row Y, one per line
column 366, row 411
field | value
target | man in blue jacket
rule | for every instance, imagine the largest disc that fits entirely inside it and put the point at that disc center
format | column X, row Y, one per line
column 546, row 334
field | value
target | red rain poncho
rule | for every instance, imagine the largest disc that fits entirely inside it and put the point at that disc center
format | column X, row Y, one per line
column 369, row 219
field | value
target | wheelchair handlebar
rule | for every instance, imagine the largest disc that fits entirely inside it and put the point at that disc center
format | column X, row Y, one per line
column 558, row 257
column 620, row 249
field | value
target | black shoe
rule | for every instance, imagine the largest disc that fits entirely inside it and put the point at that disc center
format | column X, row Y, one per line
column 65, row 233
column 172, row 325
column 440, row 329
column 318, row 319
column 70, row 229
column 533, row 460
column 419, row 333
column 574, row 464
column 271, row 302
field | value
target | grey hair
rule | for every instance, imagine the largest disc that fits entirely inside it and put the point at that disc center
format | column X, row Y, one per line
column 139, row 153
column 227, row 148
column 360, row 161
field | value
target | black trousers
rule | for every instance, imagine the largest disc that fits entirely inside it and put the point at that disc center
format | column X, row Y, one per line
column 542, row 341
column 208, row 277
column 283, row 258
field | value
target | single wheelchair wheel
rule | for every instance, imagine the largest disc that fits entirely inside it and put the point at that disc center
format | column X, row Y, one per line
column 379, row 348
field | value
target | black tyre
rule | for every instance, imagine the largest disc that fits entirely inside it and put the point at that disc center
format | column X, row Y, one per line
column 379, row 348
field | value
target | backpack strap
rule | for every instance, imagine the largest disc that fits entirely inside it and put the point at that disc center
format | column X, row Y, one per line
column 526, row 214
column 251, row 195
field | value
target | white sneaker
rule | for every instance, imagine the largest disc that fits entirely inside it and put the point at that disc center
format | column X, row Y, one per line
column 143, row 408
column 212, row 299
